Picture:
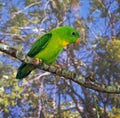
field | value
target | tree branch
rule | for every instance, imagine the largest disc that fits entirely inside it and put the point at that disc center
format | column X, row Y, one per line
column 83, row 81
column 21, row 11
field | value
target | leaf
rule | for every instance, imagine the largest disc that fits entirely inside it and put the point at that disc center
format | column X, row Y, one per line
column 113, row 49
column 6, row 110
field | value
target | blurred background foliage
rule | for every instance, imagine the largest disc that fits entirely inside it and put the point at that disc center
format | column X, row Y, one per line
column 46, row 95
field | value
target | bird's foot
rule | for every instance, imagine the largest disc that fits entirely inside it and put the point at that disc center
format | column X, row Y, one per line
column 36, row 61
column 58, row 67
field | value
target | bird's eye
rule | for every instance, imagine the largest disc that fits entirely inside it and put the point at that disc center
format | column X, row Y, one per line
column 73, row 33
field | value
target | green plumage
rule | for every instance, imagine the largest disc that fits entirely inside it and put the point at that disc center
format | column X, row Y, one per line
column 48, row 47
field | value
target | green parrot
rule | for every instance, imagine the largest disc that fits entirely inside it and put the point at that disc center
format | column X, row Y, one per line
column 48, row 47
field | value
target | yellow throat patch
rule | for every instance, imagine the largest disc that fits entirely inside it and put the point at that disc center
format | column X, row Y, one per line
column 65, row 43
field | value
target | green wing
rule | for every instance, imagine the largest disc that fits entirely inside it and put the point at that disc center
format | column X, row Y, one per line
column 39, row 45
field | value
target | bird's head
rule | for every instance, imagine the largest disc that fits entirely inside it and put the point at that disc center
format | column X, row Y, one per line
column 68, row 35
column 73, row 35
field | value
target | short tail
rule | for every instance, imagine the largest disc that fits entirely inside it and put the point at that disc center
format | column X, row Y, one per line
column 24, row 70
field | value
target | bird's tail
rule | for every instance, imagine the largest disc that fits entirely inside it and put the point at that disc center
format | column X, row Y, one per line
column 24, row 70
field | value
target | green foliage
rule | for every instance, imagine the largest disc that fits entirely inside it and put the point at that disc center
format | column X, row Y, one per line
column 115, row 113
column 113, row 50
column 96, row 4
column 109, row 56
column 10, row 91
column 29, row 2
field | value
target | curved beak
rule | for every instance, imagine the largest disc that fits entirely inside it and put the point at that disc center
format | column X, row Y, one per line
column 77, row 41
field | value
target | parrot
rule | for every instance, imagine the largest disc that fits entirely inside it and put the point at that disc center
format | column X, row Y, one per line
column 48, row 47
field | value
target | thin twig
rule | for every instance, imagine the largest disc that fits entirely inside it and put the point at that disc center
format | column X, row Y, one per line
column 21, row 11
